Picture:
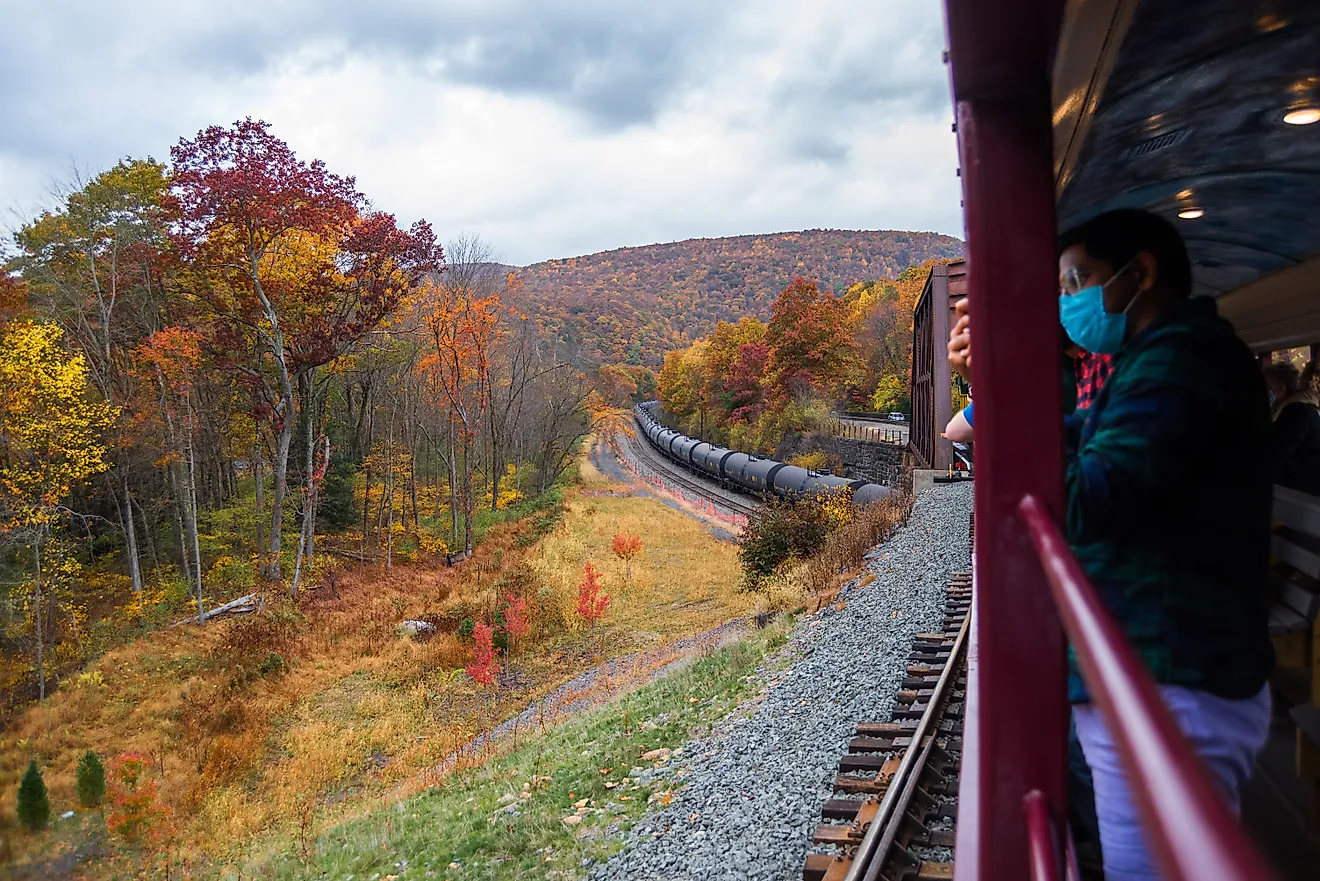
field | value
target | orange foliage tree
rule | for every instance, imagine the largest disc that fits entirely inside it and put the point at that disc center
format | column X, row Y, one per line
column 136, row 814
column 626, row 547
column 172, row 357
column 292, row 266
column 463, row 314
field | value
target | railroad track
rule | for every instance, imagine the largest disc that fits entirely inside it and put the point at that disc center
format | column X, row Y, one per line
column 892, row 813
column 643, row 453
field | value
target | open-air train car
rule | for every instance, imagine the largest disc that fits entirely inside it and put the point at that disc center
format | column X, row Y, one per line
column 1207, row 113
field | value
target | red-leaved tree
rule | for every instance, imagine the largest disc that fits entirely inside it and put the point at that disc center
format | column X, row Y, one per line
column 626, row 547
column 292, row 266
column 516, row 624
column 592, row 599
column 485, row 664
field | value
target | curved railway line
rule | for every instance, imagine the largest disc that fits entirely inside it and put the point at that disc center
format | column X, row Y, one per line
column 645, row 455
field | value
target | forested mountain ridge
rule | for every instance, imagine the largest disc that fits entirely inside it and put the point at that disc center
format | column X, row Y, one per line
column 631, row 305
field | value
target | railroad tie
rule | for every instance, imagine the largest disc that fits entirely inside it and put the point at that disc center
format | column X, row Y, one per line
column 910, row 794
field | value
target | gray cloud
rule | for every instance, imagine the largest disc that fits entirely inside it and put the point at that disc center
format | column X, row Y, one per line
column 555, row 127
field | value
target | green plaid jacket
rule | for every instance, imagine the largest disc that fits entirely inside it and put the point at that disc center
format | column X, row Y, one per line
column 1169, row 500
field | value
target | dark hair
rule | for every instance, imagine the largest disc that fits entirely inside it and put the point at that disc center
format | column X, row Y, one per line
column 1117, row 236
column 1285, row 375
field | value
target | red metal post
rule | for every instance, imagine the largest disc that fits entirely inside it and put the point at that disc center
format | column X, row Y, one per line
column 1000, row 53
column 1189, row 828
column 1042, row 839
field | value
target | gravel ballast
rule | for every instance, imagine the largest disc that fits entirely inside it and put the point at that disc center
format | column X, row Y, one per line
column 752, row 793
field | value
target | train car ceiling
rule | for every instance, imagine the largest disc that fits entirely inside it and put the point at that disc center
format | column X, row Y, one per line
column 1207, row 113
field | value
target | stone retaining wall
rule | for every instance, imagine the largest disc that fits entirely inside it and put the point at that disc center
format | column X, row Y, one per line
column 874, row 461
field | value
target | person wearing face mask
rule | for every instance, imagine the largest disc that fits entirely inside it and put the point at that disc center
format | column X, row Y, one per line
column 1171, row 523
column 1294, row 453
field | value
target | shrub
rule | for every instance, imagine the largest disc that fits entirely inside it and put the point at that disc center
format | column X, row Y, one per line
column 485, row 664
column 815, row 460
column 466, row 628
column 91, row 780
column 792, row 530
column 33, row 803
column 135, row 814
column 272, row 665
column 592, row 600
column 89, row 679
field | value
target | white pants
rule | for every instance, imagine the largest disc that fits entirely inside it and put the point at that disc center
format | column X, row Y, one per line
column 1226, row 736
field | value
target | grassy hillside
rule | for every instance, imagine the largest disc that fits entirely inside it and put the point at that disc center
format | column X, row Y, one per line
column 634, row 304
column 270, row 729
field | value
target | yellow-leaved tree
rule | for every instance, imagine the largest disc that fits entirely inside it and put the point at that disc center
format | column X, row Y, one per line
column 51, row 440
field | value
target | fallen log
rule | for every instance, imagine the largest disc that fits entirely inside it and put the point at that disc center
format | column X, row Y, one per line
column 250, row 603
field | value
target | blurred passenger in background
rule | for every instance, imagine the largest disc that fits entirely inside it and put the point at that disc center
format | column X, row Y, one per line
column 1294, row 452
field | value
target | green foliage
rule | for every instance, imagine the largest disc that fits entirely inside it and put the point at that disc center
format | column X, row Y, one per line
column 336, row 509
column 91, row 780
column 466, row 628
column 546, row 508
column 787, row 530
column 889, row 395
column 33, row 803
column 272, row 665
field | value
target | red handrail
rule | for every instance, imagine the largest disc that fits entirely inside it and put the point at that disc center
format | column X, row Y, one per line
column 1191, row 831
column 1042, row 843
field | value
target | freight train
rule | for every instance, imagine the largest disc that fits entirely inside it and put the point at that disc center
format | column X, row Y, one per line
column 751, row 474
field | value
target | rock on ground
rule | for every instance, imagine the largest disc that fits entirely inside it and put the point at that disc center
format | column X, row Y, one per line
column 754, row 790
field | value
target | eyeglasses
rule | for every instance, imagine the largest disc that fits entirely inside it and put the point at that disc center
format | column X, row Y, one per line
column 1074, row 279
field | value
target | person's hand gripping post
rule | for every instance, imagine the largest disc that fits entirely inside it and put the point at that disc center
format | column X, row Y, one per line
column 960, row 342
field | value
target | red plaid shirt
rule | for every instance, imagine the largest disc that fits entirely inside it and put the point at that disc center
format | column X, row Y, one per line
column 1092, row 371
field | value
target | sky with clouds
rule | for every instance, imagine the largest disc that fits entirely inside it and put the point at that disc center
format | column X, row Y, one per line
column 549, row 127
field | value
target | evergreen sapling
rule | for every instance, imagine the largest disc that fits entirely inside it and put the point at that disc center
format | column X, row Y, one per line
column 33, row 805
column 91, row 780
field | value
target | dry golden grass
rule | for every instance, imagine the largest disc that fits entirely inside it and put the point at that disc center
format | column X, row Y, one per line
column 360, row 710
column 682, row 581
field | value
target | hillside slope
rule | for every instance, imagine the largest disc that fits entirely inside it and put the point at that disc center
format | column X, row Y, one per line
column 634, row 304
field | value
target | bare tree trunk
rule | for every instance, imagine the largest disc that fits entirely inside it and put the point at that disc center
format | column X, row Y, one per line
column 281, row 487
column 467, row 499
column 41, row 648
column 389, row 494
column 192, row 524
column 180, row 518
column 453, row 489
column 259, row 476
column 308, row 531
column 148, row 534
column 130, row 539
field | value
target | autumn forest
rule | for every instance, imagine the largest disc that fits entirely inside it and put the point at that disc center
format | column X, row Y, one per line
column 297, row 501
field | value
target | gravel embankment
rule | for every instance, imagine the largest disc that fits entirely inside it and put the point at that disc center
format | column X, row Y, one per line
column 751, row 795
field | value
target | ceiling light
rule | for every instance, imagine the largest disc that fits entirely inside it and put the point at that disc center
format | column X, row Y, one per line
column 1302, row 116
column 1190, row 213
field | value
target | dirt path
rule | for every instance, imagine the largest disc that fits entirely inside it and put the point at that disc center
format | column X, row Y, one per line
column 590, row 689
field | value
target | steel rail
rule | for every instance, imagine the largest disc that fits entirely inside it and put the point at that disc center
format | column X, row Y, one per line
column 653, row 458
column 874, row 848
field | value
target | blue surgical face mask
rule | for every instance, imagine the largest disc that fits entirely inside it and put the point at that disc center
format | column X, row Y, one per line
column 1088, row 324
